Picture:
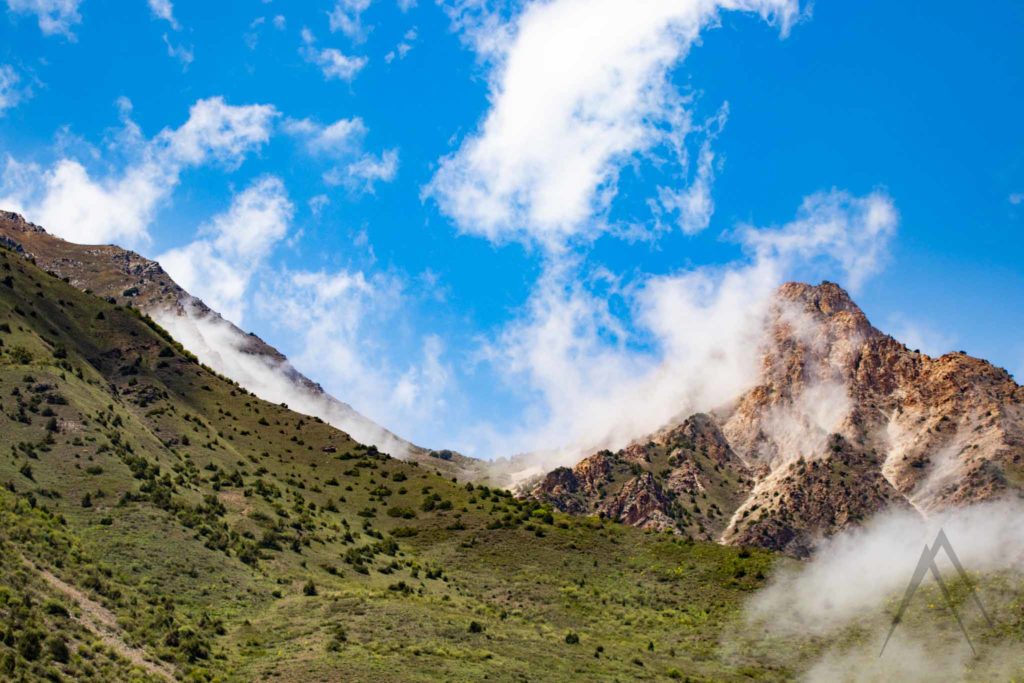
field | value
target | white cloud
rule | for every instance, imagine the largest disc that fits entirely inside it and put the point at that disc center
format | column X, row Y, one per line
column 347, row 18
column 336, row 318
column 406, row 5
column 11, row 90
column 334, row 64
column 403, row 47
column 219, row 266
column 693, row 204
column 854, row 583
column 343, row 140
column 852, row 231
column 163, row 9
column 184, row 54
column 221, row 131
column 919, row 336
column 340, row 138
column 577, row 89
column 56, row 17
column 1016, row 198
column 602, row 363
column 227, row 350
column 280, row 22
column 72, row 203
column 363, row 174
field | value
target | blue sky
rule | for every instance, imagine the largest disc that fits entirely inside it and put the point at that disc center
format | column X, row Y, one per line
column 491, row 225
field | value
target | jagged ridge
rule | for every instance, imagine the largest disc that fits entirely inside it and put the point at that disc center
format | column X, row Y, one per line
column 844, row 421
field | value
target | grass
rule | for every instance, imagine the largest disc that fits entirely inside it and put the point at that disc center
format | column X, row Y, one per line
column 237, row 540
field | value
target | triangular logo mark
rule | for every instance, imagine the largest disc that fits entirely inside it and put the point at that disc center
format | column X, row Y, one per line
column 927, row 563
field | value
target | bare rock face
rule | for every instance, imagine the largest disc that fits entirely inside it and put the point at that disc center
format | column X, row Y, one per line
column 843, row 422
column 683, row 480
column 640, row 502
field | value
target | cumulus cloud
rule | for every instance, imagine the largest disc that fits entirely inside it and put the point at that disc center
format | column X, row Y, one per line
column 74, row 204
column 578, row 88
column 687, row 342
column 219, row 266
column 333, row 63
column 55, row 17
column 1016, row 198
column 12, row 92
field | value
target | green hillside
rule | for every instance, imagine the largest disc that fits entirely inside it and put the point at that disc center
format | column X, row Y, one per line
column 234, row 539
column 157, row 521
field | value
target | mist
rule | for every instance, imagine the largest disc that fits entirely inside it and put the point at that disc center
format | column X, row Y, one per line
column 226, row 349
column 701, row 335
column 847, row 595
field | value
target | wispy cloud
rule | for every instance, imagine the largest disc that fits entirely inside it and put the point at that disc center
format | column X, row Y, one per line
column 55, row 17
column 347, row 17
column 163, row 9
column 12, row 90
column 184, row 54
column 920, row 336
column 333, row 63
column 219, row 265
column 363, row 174
column 343, row 143
column 404, row 47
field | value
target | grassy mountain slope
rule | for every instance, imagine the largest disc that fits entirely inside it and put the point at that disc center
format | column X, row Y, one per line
column 124, row 277
column 231, row 538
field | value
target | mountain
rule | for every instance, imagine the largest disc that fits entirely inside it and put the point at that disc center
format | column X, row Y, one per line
column 842, row 422
column 124, row 277
column 158, row 521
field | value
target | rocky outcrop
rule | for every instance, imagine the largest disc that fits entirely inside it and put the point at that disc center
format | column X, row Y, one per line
column 684, row 480
column 843, row 422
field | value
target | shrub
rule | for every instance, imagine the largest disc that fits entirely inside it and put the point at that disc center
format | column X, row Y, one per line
column 309, row 588
column 476, row 627
column 571, row 638
column 58, row 649
column 20, row 355
column 402, row 512
column 30, row 645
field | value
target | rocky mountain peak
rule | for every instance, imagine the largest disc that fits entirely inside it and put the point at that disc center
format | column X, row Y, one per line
column 17, row 223
column 843, row 421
